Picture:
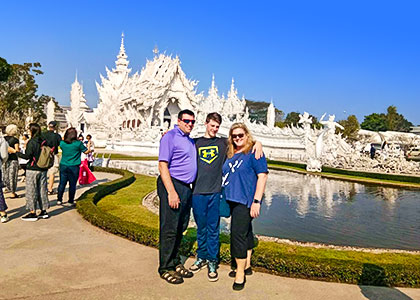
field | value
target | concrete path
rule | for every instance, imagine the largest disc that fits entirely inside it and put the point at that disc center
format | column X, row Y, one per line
column 65, row 257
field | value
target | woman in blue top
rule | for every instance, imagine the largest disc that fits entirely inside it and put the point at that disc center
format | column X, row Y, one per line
column 244, row 179
column 71, row 149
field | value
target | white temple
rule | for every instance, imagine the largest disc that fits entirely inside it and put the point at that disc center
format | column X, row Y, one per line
column 135, row 109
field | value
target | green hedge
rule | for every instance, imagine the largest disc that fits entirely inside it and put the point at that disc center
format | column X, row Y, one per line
column 372, row 175
column 382, row 176
column 388, row 269
column 86, row 206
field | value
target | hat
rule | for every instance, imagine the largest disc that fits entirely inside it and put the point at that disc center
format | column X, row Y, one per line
column 52, row 124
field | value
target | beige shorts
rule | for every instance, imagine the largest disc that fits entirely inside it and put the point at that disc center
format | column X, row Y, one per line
column 56, row 166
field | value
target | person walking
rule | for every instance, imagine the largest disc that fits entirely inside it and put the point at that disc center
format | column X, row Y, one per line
column 54, row 140
column 244, row 180
column 11, row 165
column 177, row 168
column 90, row 157
column 23, row 162
column 36, row 177
column 3, row 157
column 71, row 150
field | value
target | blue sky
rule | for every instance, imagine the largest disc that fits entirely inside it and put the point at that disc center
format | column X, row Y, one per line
column 339, row 57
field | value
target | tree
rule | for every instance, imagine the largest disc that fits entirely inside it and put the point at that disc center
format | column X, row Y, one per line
column 292, row 118
column 5, row 69
column 351, row 127
column 18, row 96
column 374, row 122
column 391, row 118
column 391, row 121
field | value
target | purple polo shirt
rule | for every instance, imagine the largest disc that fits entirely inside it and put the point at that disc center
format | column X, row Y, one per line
column 178, row 149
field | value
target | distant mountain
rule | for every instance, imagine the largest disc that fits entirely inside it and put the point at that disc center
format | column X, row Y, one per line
column 258, row 111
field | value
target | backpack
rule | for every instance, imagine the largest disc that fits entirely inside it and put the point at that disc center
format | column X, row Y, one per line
column 46, row 157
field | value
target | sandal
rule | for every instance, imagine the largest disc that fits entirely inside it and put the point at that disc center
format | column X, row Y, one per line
column 171, row 277
column 183, row 272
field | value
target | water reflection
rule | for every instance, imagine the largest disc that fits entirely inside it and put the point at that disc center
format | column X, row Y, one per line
column 316, row 209
column 313, row 193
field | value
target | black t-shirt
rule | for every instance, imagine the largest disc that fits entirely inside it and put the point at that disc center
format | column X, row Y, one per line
column 53, row 140
column 211, row 156
column 12, row 141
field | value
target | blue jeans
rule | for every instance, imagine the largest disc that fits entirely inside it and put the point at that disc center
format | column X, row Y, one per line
column 68, row 174
column 206, row 215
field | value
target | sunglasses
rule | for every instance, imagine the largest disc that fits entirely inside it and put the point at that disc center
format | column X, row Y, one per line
column 188, row 121
column 234, row 136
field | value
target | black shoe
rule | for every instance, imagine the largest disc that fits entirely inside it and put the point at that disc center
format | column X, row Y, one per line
column 43, row 215
column 239, row 286
column 30, row 217
column 248, row 272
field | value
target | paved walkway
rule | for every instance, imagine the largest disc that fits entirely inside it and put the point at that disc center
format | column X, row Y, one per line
column 65, row 257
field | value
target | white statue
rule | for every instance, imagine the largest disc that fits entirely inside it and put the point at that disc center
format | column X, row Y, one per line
column 50, row 111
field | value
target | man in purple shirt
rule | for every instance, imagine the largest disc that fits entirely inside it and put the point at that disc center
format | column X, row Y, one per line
column 178, row 169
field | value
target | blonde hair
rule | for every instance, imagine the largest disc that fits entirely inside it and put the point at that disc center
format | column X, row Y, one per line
column 11, row 130
column 231, row 145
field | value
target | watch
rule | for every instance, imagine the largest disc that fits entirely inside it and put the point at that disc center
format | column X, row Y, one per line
column 257, row 201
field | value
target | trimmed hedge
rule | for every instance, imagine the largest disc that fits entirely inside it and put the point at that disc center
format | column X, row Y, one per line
column 86, row 206
column 372, row 175
column 281, row 259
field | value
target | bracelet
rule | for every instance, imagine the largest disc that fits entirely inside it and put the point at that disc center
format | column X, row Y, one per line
column 257, row 201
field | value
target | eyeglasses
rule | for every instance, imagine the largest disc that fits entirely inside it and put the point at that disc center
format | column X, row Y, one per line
column 240, row 135
column 188, row 121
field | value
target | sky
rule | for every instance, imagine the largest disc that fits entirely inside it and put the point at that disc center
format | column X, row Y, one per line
column 334, row 57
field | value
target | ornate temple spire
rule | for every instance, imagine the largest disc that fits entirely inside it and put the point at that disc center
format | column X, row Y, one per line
column 271, row 115
column 213, row 90
column 122, row 61
column 233, row 93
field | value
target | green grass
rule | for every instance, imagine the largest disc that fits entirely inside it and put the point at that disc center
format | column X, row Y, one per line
column 278, row 165
column 125, row 203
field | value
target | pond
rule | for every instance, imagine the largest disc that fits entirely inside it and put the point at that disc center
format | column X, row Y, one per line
column 314, row 209
column 311, row 208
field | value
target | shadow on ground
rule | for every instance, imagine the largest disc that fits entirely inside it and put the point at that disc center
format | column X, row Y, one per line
column 375, row 275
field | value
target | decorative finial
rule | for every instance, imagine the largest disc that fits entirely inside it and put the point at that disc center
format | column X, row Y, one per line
column 156, row 50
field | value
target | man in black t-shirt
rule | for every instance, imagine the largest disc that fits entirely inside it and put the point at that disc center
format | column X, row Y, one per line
column 53, row 140
column 211, row 156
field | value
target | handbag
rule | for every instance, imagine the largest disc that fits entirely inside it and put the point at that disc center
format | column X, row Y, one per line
column 224, row 208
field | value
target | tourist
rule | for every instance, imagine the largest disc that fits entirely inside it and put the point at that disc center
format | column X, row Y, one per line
column 11, row 165
column 36, row 177
column 22, row 162
column 71, row 149
column 90, row 157
column 3, row 157
column 244, row 179
column 372, row 151
column 212, row 152
column 54, row 140
column 177, row 168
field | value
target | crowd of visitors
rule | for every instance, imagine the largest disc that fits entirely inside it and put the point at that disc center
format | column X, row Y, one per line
column 41, row 156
